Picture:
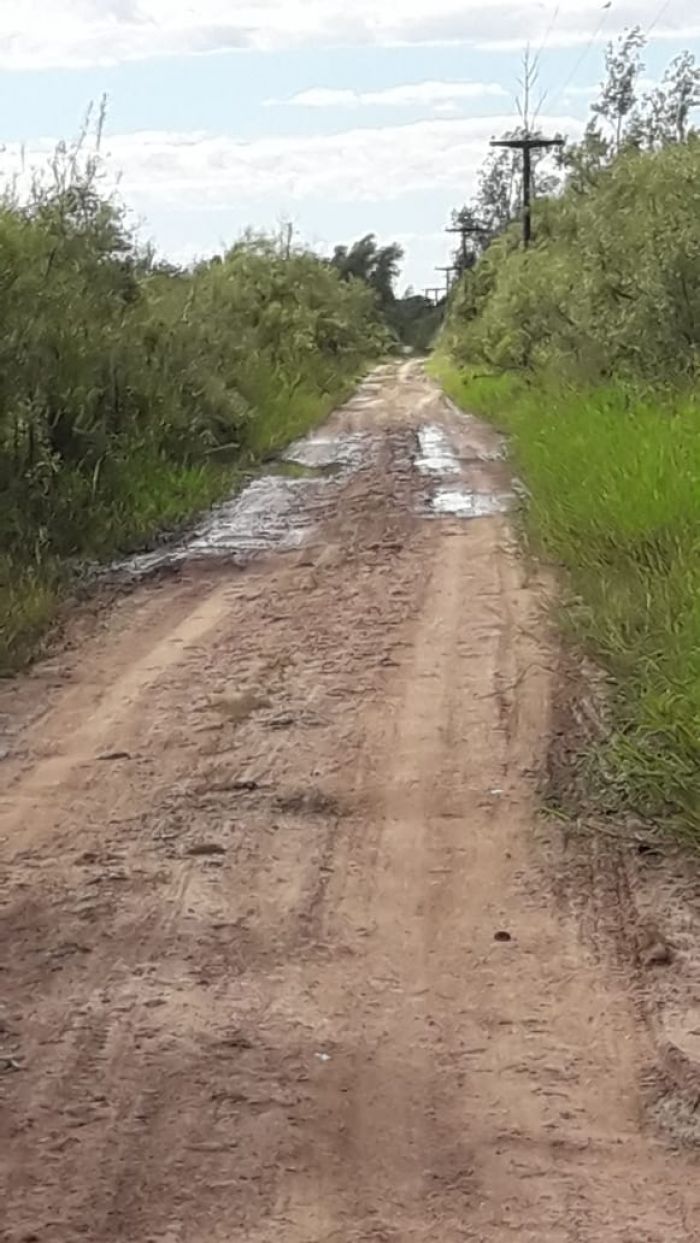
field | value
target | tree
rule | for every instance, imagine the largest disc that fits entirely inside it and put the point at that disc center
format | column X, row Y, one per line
column 623, row 63
column 664, row 114
column 377, row 266
column 415, row 320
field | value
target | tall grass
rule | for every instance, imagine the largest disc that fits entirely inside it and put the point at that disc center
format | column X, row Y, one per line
column 614, row 481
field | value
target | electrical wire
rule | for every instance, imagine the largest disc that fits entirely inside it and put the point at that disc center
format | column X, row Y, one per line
column 548, row 34
column 594, row 37
column 538, row 58
column 662, row 11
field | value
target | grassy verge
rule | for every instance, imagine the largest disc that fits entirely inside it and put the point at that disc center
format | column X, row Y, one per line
column 614, row 478
column 145, row 495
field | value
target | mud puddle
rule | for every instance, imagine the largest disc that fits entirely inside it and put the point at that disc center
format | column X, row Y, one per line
column 277, row 510
column 436, row 455
column 472, row 486
column 461, row 503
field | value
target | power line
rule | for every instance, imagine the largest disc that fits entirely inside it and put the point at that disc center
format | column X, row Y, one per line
column 662, row 11
column 538, row 58
column 665, row 6
column 596, row 35
column 547, row 35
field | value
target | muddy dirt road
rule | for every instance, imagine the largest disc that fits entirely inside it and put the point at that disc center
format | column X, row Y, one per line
column 281, row 957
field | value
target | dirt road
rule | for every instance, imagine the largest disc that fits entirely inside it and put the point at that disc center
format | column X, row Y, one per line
column 281, row 956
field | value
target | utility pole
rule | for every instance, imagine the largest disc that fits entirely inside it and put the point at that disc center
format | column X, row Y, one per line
column 449, row 273
column 527, row 141
column 468, row 230
column 527, row 144
column 433, row 293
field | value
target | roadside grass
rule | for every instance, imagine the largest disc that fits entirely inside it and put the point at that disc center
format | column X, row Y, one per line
column 148, row 495
column 284, row 411
column 28, row 602
column 142, row 493
column 614, row 480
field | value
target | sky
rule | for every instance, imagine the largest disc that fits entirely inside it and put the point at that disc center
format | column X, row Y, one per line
column 228, row 114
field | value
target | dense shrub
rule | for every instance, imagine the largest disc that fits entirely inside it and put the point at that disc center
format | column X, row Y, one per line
column 130, row 392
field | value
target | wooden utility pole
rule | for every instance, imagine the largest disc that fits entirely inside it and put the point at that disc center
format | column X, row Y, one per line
column 527, row 144
column 449, row 273
column 434, row 293
column 468, row 230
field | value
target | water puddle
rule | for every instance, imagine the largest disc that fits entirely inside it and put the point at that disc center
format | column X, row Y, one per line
column 453, row 495
column 275, row 511
column 436, row 455
column 331, row 453
column 279, row 509
column 461, row 503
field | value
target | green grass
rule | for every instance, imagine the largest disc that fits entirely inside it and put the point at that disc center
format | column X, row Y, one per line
column 155, row 495
column 146, row 494
column 614, row 478
column 28, row 602
column 285, row 413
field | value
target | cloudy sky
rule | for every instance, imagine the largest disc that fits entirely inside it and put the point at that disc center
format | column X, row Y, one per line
column 229, row 113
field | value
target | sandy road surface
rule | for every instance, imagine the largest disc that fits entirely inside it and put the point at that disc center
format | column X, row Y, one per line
column 251, row 985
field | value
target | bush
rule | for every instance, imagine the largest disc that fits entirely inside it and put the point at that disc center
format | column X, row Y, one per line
column 612, row 287
column 132, row 393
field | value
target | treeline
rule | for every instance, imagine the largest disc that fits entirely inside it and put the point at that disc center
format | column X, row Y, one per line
column 591, row 339
column 131, row 391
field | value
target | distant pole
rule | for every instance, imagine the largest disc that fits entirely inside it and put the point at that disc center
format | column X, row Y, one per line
column 468, row 230
column 450, row 272
column 527, row 145
column 462, row 231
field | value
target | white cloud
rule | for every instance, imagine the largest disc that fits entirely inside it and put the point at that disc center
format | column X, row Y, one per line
column 593, row 89
column 364, row 164
column 435, row 95
column 44, row 33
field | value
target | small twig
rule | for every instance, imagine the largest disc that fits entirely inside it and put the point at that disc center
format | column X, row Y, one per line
column 503, row 690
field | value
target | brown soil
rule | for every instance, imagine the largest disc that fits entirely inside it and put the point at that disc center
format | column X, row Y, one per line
column 284, row 958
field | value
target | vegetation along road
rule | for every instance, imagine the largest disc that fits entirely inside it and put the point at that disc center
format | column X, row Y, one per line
column 348, row 840
column 290, row 954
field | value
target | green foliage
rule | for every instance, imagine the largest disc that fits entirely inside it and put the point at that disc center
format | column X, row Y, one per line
column 131, row 392
column 614, row 499
column 623, row 64
column 592, row 339
column 613, row 285
column 416, row 321
column 413, row 320
column 377, row 266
